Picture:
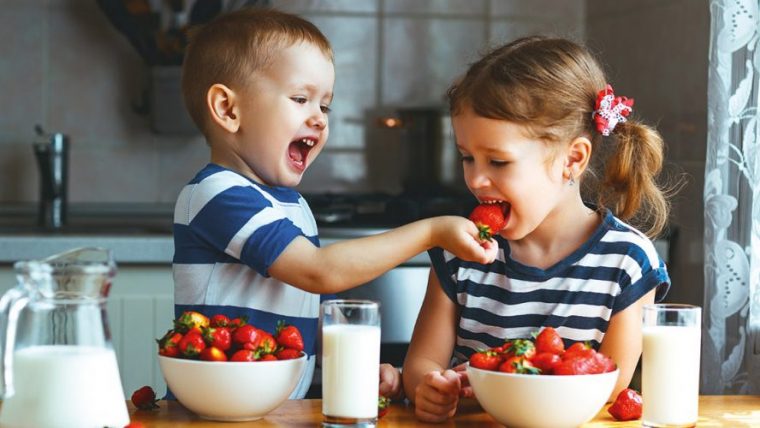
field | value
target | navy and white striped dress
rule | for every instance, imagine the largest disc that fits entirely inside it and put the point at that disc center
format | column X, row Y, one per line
column 228, row 230
column 577, row 296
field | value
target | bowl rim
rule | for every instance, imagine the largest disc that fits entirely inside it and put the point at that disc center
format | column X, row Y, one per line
column 540, row 376
column 191, row 361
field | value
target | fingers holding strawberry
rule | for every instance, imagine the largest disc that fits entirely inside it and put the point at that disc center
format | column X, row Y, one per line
column 489, row 218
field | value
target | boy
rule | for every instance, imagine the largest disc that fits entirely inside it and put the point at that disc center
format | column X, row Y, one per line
column 258, row 83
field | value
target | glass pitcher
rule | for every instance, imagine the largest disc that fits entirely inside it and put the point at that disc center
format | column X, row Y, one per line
column 58, row 364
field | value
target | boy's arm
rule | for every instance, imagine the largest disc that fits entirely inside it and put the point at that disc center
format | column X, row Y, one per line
column 427, row 382
column 350, row 263
column 622, row 341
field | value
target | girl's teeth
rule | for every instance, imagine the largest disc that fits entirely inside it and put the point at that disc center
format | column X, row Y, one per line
column 308, row 142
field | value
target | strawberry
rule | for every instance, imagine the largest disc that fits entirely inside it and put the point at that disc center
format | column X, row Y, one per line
column 265, row 343
column 287, row 354
column 191, row 344
column 268, row 357
column 288, row 336
column 145, row 398
column 191, row 320
column 219, row 337
column 134, row 425
column 212, row 353
column 238, row 322
column 489, row 218
column 521, row 348
column 168, row 345
column 383, row 406
column 486, row 360
column 245, row 334
column 219, row 320
column 518, row 365
column 243, row 355
column 546, row 361
column 627, row 405
column 548, row 340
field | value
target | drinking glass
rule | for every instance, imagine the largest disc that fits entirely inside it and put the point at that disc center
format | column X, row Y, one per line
column 670, row 365
column 350, row 362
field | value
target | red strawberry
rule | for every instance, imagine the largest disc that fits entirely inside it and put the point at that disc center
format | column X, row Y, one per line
column 145, row 398
column 287, row 354
column 546, row 361
column 245, row 334
column 548, row 340
column 518, row 365
column 521, row 348
column 238, row 322
column 265, row 343
column 627, row 406
column 191, row 344
column 288, row 336
column 168, row 345
column 383, row 406
column 219, row 320
column 243, row 355
column 268, row 357
column 486, row 360
column 219, row 337
column 489, row 218
column 212, row 353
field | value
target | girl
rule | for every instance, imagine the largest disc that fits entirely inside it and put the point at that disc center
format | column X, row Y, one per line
column 527, row 119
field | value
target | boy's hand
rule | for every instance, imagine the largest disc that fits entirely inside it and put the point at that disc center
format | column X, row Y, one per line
column 437, row 396
column 460, row 236
column 390, row 382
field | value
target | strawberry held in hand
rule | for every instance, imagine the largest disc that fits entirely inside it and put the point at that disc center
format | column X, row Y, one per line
column 627, row 405
column 489, row 218
column 145, row 398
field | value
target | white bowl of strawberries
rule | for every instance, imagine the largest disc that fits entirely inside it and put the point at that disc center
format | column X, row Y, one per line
column 539, row 384
column 213, row 366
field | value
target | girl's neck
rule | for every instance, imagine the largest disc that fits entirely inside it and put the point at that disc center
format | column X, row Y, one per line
column 562, row 232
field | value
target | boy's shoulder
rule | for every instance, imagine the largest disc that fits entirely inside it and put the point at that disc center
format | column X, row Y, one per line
column 214, row 179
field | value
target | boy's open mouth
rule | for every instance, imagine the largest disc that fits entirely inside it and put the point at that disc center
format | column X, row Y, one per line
column 299, row 149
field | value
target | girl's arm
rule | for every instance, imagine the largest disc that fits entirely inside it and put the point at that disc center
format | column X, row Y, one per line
column 353, row 262
column 622, row 342
column 427, row 382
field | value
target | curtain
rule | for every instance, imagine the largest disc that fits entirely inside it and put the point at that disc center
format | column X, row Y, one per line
column 731, row 315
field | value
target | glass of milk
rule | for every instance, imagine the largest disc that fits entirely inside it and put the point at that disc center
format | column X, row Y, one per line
column 350, row 362
column 670, row 365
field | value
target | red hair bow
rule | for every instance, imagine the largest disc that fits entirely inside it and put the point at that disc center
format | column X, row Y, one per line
column 610, row 110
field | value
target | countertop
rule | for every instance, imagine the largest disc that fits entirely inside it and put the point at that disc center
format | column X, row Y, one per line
column 714, row 411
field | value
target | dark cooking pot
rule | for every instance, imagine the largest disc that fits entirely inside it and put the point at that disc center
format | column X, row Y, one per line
column 432, row 162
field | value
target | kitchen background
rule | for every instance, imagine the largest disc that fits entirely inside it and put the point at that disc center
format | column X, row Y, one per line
column 65, row 67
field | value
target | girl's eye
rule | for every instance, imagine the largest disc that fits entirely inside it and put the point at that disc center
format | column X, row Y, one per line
column 498, row 163
column 300, row 100
column 466, row 158
column 325, row 109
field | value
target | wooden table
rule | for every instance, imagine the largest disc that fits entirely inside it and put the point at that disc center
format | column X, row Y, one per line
column 714, row 411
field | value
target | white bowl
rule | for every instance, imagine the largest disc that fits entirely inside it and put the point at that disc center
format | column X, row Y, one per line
column 541, row 401
column 231, row 391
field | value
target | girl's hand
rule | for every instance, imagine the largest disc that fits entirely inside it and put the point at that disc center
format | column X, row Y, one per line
column 437, row 396
column 390, row 382
column 466, row 390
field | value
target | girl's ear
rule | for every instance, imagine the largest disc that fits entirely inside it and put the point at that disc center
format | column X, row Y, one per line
column 223, row 109
column 577, row 158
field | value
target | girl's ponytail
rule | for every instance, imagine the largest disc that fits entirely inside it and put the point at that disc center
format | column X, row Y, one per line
column 629, row 187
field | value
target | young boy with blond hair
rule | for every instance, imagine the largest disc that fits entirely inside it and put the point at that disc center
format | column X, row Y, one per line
column 258, row 83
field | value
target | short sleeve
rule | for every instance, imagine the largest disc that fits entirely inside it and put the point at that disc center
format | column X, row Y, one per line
column 656, row 278
column 445, row 271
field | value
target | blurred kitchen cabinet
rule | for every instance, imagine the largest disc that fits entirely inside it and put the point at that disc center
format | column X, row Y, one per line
column 140, row 310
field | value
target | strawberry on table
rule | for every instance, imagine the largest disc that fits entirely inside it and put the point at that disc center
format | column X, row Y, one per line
column 627, row 405
column 489, row 218
column 288, row 336
column 144, row 398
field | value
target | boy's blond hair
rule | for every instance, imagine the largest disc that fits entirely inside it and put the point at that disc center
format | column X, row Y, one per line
column 235, row 45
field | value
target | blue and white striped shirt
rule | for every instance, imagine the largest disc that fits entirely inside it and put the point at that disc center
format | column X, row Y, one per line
column 577, row 296
column 228, row 230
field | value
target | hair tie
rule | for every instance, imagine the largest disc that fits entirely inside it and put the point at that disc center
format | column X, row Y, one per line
column 610, row 110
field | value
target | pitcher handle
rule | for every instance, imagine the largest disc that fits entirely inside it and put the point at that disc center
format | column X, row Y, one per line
column 11, row 304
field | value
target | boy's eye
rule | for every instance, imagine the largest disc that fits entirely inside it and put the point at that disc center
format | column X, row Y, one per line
column 300, row 100
column 325, row 109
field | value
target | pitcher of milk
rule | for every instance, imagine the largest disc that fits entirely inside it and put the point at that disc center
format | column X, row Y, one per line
column 58, row 365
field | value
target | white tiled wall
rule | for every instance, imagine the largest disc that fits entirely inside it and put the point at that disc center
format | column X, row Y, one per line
column 64, row 66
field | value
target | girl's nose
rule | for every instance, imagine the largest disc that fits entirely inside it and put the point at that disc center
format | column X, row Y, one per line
column 475, row 179
column 318, row 121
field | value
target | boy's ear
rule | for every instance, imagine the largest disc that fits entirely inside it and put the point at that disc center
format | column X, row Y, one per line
column 223, row 108
column 578, row 157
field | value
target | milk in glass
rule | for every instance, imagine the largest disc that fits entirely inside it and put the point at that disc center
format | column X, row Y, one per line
column 350, row 367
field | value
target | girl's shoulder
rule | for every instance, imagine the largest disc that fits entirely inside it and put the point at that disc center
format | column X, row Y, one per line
column 620, row 238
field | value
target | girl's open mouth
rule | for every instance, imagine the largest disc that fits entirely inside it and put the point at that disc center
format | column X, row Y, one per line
column 298, row 151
